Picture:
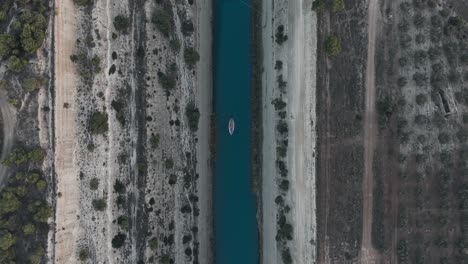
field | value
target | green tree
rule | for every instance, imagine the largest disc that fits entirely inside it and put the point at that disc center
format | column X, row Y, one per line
column 191, row 56
column 121, row 23
column 153, row 243
column 99, row 204
column 16, row 64
column 37, row 257
column 7, row 44
column 36, row 154
column 122, row 221
column 94, row 184
column 193, row 116
column 118, row 240
column 338, row 5
column 332, row 46
column 29, row 229
column 9, row 203
column 162, row 20
column 98, row 123
column 318, row 5
column 83, row 255
column 43, row 213
column 6, row 240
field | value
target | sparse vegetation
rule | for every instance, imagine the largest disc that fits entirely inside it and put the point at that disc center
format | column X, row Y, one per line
column 193, row 116
column 332, row 46
column 98, row 123
column 162, row 19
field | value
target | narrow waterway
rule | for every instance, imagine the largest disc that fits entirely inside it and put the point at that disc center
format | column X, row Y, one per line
column 235, row 221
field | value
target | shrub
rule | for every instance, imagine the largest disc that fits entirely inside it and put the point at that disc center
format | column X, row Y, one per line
column 280, row 36
column 98, row 123
column 121, row 23
column 29, row 229
column 99, row 204
column 318, row 5
column 7, row 240
column 284, row 185
column 119, row 187
column 82, row 2
column 122, row 221
column 168, row 82
column 118, row 240
column 94, row 184
column 83, row 255
column 33, row 84
column 332, row 46
column 193, row 116
column 187, row 28
column 16, row 64
column 7, row 45
column 162, row 19
column 169, row 163
column 175, row 45
column 153, row 243
column 421, row 99
column 282, row 127
column 191, row 56
column 338, row 5
column 154, row 141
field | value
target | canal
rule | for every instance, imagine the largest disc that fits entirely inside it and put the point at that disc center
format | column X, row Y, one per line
column 236, row 237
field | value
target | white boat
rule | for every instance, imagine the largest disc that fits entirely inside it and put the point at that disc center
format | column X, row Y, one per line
column 231, row 126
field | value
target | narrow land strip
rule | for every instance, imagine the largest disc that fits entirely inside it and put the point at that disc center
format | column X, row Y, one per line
column 65, row 138
column 370, row 134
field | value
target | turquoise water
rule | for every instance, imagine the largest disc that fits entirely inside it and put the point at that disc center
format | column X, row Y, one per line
column 235, row 208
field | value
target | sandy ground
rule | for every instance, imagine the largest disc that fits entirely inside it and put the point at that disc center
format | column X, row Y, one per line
column 9, row 120
column 204, row 84
column 299, row 57
column 370, row 134
column 65, row 138
column 302, row 137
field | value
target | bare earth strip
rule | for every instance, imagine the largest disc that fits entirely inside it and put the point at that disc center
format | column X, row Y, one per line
column 203, row 19
column 299, row 58
column 9, row 120
column 370, row 133
column 65, row 136
column 302, row 135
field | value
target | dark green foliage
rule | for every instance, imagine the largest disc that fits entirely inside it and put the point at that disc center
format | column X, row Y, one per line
column 420, row 57
column 278, row 65
column 82, row 2
column 83, row 255
column 279, row 104
column 33, row 33
column 154, row 141
column 420, row 79
column 282, row 127
column 191, row 56
column 284, row 185
column 187, row 28
column 7, row 45
column 153, row 243
column 385, row 109
column 280, row 36
column 168, row 82
column 119, row 187
column 99, row 204
column 121, row 23
column 338, row 5
column 33, row 83
column 19, row 156
column 119, row 240
column 332, row 46
column 94, row 184
column 318, row 5
column 122, row 221
column 286, row 256
column 169, row 163
column 98, row 123
column 16, row 64
column 162, row 19
column 193, row 116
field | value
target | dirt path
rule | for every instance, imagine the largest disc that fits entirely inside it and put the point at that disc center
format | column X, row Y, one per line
column 368, row 253
column 203, row 18
column 9, row 120
column 302, row 136
column 65, row 136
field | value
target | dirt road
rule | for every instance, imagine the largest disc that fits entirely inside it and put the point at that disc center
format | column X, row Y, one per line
column 370, row 134
column 9, row 119
column 65, row 136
